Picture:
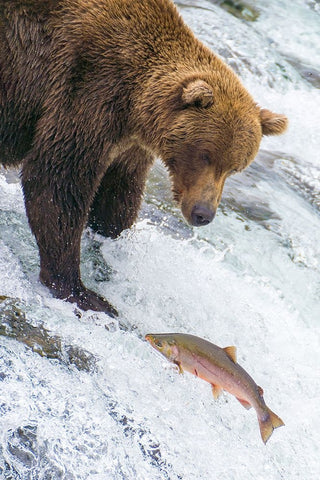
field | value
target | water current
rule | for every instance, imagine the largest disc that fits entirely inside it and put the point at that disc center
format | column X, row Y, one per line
column 112, row 408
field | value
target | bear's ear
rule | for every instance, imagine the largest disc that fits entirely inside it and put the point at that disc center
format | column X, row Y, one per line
column 272, row 123
column 198, row 94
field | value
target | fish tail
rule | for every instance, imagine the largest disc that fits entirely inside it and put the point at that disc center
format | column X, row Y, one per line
column 268, row 423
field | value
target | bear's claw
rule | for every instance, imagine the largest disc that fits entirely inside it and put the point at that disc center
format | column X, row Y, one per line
column 85, row 299
column 89, row 300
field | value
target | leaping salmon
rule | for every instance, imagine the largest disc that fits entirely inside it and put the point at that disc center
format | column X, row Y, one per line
column 219, row 367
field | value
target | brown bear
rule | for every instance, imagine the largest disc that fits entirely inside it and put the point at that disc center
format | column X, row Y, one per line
column 91, row 91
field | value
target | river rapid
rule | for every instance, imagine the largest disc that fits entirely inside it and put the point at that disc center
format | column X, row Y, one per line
column 250, row 279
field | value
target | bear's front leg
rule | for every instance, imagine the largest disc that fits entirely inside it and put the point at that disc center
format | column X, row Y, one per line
column 57, row 201
column 118, row 199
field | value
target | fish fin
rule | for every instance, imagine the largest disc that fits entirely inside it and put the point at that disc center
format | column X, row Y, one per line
column 180, row 369
column 244, row 403
column 260, row 390
column 269, row 424
column 216, row 391
column 232, row 353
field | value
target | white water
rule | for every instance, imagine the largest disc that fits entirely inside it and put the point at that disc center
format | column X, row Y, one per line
column 250, row 279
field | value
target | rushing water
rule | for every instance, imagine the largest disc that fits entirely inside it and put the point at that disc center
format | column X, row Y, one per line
column 250, row 279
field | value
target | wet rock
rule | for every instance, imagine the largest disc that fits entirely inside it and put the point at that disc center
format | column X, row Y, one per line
column 281, row 171
column 243, row 10
column 25, row 458
column 307, row 72
column 14, row 324
column 22, row 445
column 302, row 181
column 8, row 472
column 314, row 5
column 242, row 196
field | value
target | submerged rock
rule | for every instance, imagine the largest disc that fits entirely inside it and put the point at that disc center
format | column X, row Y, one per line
column 307, row 72
column 242, row 196
column 244, row 10
column 25, row 457
column 14, row 324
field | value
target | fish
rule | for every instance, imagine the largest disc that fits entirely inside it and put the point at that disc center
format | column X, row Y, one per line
column 219, row 367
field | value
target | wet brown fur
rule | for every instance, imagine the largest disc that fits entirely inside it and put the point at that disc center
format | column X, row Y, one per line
column 91, row 91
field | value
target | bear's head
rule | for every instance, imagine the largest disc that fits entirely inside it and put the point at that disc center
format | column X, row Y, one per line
column 213, row 131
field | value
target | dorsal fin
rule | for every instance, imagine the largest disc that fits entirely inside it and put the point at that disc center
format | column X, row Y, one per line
column 232, row 353
column 260, row 390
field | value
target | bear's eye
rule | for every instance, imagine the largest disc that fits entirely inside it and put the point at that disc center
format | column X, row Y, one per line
column 206, row 158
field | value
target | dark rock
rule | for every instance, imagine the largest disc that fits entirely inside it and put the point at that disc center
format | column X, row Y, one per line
column 243, row 10
column 306, row 71
column 13, row 324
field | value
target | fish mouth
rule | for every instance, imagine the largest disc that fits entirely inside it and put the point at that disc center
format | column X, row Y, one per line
column 150, row 338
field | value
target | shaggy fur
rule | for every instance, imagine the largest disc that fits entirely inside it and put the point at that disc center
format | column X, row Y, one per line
column 91, row 91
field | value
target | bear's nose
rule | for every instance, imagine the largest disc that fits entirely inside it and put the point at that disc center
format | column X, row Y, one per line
column 201, row 215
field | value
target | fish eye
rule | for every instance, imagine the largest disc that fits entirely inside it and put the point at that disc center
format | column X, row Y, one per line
column 158, row 343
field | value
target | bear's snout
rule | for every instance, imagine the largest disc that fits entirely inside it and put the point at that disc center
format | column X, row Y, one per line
column 201, row 215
